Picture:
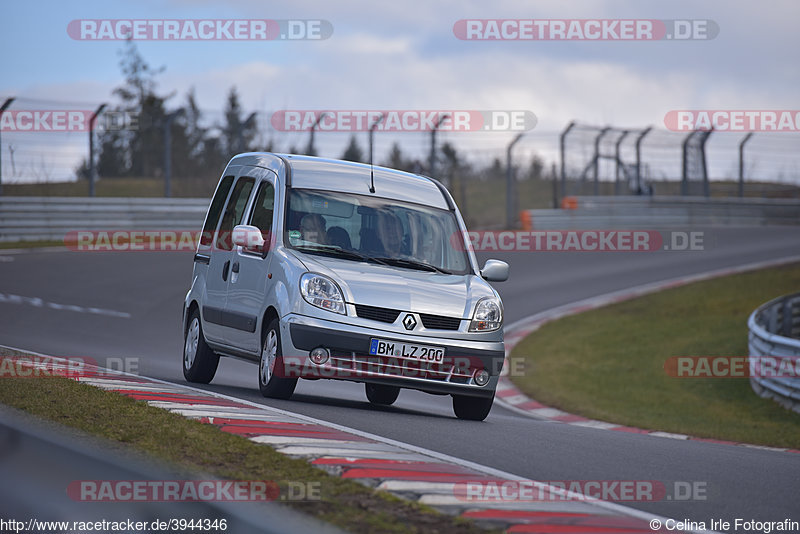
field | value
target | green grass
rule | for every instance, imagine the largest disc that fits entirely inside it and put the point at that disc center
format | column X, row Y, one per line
column 204, row 448
column 117, row 187
column 608, row 364
column 30, row 244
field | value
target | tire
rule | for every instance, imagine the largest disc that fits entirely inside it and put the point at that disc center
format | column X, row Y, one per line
column 199, row 361
column 381, row 394
column 472, row 408
column 272, row 386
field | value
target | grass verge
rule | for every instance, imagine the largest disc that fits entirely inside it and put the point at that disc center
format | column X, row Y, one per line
column 202, row 447
column 30, row 244
column 608, row 364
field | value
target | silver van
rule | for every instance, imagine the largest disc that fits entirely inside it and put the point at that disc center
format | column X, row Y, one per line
column 318, row 268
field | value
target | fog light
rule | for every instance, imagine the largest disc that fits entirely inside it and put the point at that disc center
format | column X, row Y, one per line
column 482, row 377
column 319, row 355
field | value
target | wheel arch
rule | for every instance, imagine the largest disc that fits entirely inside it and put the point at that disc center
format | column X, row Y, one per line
column 193, row 305
column 269, row 314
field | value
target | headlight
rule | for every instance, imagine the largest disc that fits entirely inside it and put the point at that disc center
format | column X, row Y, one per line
column 488, row 315
column 322, row 292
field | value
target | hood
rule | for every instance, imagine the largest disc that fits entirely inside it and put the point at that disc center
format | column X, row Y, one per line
column 402, row 289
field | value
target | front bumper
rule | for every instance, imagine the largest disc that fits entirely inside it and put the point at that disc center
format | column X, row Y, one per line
column 350, row 359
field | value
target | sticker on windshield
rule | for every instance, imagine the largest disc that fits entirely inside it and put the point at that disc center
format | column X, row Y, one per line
column 294, row 237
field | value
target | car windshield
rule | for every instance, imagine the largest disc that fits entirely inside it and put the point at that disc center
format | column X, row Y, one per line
column 365, row 228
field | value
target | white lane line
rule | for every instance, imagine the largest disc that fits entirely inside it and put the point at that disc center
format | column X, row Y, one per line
column 595, row 424
column 651, row 287
column 225, row 413
column 764, row 447
column 292, row 440
column 517, row 399
column 669, row 435
column 338, row 451
column 414, row 452
column 528, row 325
column 426, row 454
column 400, row 456
column 38, row 302
column 529, row 506
column 418, row 486
column 346, row 448
column 114, row 385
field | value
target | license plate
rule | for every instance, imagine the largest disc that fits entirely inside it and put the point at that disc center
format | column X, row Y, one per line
column 424, row 353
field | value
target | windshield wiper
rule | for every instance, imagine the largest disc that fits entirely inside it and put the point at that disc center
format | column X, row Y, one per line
column 413, row 264
column 338, row 252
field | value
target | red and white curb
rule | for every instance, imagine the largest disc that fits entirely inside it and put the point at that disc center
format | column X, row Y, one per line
column 406, row 470
column 511, row 397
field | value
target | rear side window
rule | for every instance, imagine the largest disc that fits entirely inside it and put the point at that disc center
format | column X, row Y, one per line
column 234, row 211
column 263, row 208
column 207, row 237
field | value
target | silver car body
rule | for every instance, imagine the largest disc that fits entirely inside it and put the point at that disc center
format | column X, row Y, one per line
column 235, row 309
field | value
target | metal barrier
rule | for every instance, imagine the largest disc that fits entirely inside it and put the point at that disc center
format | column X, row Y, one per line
column 51, row 218
column 775, row 333
column 668, row 211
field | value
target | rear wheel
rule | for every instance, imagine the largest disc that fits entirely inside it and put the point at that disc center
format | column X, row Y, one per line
column 271, row 385
column 382, row 394
column 472, row 408
column 199, row 361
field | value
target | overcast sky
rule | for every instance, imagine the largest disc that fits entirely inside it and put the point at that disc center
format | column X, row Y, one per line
column 405, row 55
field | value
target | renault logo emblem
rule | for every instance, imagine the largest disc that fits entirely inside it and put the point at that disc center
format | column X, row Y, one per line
column 409, row 322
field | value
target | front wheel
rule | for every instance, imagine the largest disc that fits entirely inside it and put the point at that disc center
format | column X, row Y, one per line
column 199, row 361
column 472, row 408
column 271, row 385
column 381, row 394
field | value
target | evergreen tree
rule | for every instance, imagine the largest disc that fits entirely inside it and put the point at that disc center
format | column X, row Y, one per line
column 353, row 151
column 536, row 169
column 238, row 133
column 136, row 151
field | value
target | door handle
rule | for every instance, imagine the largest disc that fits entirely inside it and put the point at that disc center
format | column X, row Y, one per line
column 225, row 270
column 235, row 267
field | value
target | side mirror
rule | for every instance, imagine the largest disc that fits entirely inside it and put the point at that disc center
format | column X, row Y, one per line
column 248, row 237
column 495, row 271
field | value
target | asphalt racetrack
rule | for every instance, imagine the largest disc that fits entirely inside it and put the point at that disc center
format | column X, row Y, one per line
column 124, row 309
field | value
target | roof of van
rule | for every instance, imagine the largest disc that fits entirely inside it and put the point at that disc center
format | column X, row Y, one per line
column 309, row 172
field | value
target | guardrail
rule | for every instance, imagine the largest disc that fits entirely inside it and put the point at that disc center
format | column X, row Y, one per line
column 667, row 211
column 51, row 218
column 775, row 332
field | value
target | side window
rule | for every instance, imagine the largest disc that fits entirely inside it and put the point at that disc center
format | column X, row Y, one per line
column 233, row 212
column 263, row 208
column 207, row 237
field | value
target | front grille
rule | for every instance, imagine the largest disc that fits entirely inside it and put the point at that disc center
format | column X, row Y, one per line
column 440, row 323
column 388, row 315
column 384, row 315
